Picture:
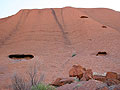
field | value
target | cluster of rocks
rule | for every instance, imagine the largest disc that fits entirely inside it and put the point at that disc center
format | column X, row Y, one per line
column 86, row 80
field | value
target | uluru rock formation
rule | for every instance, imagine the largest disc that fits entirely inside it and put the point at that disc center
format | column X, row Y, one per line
column 53, row 36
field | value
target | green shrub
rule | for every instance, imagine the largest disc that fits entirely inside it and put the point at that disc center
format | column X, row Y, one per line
column 76, row 79
column 42, row 87
column 74, row 54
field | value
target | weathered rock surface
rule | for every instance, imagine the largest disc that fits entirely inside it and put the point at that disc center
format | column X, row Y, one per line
column 87, row 75
column 103, row 88
column 54, row 35
column 98, row 82
column 99, row 78
column 118, row 77
column 111, row 75
column 115, row 87
column 62, row 81
column 77, row 71
column 111, row 82
column 83, row 85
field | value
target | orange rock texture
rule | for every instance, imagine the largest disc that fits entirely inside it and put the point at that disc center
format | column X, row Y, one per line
column 54, row 36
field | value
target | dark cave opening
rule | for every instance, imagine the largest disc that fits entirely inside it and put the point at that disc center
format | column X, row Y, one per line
column 104, row 26
column 21, row 56
column 101, row 53
column 83, row 17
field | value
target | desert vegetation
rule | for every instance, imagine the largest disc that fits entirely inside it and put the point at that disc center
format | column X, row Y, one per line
column 86, row 79
column 42, row 87
column 32, row 82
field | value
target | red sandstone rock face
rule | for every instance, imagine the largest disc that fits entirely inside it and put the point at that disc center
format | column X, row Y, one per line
column 54, row 35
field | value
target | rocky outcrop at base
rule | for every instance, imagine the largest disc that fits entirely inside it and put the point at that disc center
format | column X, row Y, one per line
column 86, row 80
column 84, row 85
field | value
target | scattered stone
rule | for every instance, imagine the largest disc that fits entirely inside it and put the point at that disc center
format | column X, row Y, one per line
column 62, row 81
column 88, row 81
column 99, row 78
column 96, row 73
column 77, row 71
column 87, row 75
column 111, row 75
column 57, row 82
column 114, row 87
column 68, row 86
column 118, row 77
column 67, row 80
column 82, row 85
column 103, row 88
column 111, row 82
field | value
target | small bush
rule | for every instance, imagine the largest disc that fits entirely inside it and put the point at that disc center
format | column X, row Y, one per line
column 42, row 87
column 33, row 80
column 74, row 54
column 18, row 83
column 76, row 79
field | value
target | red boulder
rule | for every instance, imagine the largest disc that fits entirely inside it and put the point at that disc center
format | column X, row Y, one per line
column 87, row 75
column 111, row 75
column 77, row 71
column 62, row 81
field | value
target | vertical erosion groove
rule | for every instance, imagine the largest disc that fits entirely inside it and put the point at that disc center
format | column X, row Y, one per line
column 3, row 41
column 67, row 41
column 14, row 31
